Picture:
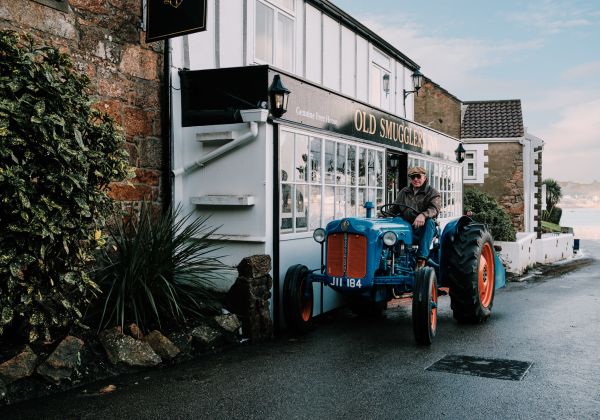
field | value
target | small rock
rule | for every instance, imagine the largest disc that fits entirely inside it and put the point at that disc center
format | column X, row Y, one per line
column 122, row 348
column 63, row 360
column 205, row 335
column 161, row 345
column 229, row 323
column 20, row 366
column 134, row 331
column 254, row 266
column 182, row 340
column 108, row 389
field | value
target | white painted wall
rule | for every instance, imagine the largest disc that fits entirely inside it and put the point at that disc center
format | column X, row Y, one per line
column 348, row 58
column 331, row 54
column 527, row 251
column 314, row 45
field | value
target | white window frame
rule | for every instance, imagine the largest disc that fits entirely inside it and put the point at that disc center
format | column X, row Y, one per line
column 470, row 161
column 322, row 184
column 277, row 11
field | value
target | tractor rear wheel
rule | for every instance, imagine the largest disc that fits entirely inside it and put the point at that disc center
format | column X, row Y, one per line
column 297, row 299
column 424, row 306
column 471, row 274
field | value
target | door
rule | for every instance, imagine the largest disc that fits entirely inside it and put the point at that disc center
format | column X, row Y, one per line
column 396, row 170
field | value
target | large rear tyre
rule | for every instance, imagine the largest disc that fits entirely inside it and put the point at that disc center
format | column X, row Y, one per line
column 424, row 306
column 297, row 299
column 471, row 274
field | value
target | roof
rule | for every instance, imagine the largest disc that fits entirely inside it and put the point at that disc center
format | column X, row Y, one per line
column 492, row 119
column 345, row 19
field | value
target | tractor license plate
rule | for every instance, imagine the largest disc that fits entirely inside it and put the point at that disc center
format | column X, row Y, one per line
column 345, row 282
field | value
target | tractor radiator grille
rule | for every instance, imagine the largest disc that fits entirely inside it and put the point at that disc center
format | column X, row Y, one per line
column 346, row 254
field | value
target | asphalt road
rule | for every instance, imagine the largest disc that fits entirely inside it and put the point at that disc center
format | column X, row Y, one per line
column 353, row 368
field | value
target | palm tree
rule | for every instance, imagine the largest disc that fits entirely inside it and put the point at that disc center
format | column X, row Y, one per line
column 553, row 194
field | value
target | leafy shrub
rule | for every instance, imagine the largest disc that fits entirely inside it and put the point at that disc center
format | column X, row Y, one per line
column 485, row 209
column 160, row 269
column 57, row 156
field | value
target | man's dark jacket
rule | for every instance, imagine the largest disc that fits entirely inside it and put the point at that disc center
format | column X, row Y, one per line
column 426, row 200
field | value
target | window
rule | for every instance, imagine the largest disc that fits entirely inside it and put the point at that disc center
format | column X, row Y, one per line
column 274, row 33
column 470, row 166
column 446, row 178
column 331, row 179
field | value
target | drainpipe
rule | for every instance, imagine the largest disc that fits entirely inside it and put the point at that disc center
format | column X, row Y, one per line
column 166, row 119
column 240, row 141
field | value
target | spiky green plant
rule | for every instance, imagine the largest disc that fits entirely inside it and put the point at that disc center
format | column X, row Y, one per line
column 160, row 269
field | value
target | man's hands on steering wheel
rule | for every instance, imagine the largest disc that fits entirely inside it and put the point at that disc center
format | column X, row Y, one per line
column 386, row 209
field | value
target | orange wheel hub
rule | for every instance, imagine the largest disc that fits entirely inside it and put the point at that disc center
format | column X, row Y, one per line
column 486, row 275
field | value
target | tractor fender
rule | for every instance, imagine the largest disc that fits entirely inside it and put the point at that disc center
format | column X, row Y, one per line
column 452, row 229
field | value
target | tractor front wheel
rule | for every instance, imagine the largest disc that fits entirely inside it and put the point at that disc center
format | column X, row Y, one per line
column 471, row 274
column 297, row 299
column 424, row 306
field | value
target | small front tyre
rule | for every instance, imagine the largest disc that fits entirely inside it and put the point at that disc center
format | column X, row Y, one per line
column 424, row 306
column 297, row 299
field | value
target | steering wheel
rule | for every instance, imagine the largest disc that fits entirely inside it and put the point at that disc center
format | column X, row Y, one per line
column 384, row 209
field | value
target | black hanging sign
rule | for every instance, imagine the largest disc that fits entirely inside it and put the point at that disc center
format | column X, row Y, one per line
column 171, row 18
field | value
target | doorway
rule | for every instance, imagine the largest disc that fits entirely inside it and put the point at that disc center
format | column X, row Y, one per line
column 396, row 168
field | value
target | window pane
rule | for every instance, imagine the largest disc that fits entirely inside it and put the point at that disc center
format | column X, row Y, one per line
column 379, row 169
column 362, row 198
column 340, row 202
column 287, row 4
column 301, row 157
column 362, row 166
column 286, row 155
column 340, row 170
column 371, row 176
column 285, row 42
column 329, row 162
column 328, row 205
column 376, row 86
column 315, row 159
column 286, row 207
column 315, row 207
column 264, row 33
column 301, row 224
column 350, row 202
column 351, row 165
column 379, row 199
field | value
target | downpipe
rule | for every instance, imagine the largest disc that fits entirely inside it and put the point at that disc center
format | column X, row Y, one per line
column 240, row 141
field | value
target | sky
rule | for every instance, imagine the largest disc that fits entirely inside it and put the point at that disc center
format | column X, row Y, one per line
column 544, row 52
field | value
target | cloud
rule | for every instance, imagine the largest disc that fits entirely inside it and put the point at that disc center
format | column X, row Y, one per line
column 553, row 17
column 591, row 70
column 455, row 63
column 572, row 146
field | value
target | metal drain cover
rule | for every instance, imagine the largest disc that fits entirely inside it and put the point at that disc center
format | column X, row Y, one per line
column 512, row 370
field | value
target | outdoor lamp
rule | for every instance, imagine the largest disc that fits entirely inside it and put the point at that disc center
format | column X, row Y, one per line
column 393, row 162
column 417, row 78
column 460, row 153
column 386, row 84
column 279, row 97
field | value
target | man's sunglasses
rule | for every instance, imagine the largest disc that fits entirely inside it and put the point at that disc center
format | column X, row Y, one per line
column 415, row 176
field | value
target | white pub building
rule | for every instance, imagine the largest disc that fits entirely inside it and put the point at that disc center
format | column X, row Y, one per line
column 287, row 114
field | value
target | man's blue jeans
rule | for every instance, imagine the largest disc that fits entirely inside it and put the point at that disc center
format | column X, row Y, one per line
column 425, row 235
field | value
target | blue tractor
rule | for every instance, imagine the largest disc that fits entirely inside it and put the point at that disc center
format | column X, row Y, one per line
column 373, row 260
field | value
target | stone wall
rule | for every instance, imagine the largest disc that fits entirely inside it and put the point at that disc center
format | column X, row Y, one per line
column 505, row 180
column 105, row 41
column 438, row 109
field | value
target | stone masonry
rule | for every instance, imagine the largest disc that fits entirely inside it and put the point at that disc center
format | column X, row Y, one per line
column 438, row 109
column 105, row 40
column 505, row 180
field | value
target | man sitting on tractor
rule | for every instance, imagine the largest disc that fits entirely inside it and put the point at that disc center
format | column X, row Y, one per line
column 423, row 197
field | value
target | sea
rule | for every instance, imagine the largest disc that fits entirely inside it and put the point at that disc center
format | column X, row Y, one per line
column 584, row 221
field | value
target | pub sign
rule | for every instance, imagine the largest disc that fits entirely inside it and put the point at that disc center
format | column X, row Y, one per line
column 172, row 18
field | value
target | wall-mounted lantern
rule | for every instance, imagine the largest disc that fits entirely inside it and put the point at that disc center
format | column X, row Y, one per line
column 279, row 97
column 386, row 84
column 460, row 153
column 417, row 79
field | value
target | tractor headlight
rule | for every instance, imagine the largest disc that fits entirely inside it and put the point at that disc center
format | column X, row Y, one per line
column 319, row 235
column 389, row 238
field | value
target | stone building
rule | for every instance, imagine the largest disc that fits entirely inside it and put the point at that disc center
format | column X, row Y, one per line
column 437, row 108
column 106, row 42
column 502, row 159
